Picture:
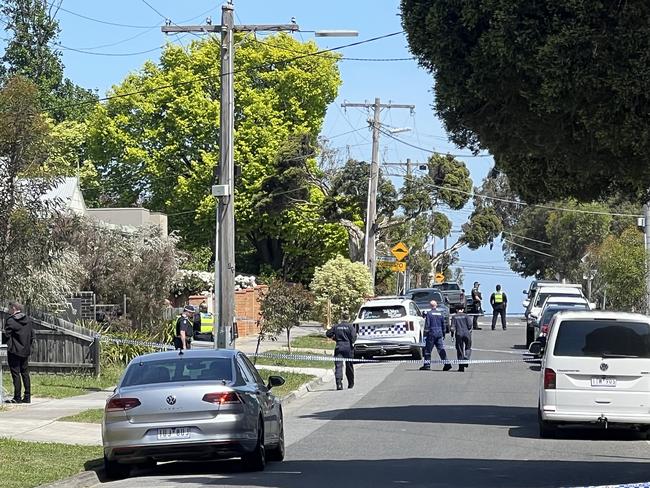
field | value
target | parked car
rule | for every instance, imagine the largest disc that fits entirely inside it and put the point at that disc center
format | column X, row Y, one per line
column 452, row 292
column 541, row 294
column 422, row 298
column 542, row 325
column 192, row 405
column 595, row 371
column 530, row 293
column 389, row 325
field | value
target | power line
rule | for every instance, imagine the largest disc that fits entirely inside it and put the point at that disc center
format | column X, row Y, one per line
column 431, row 151
column 91, row 53
column 235, row 71
column 529, row 248
column 155, row 10
column 527, row 238
column 105, row 22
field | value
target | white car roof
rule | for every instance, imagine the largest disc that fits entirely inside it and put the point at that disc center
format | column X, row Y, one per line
column 558, row 289
column 599, row 314
column 573, row 299
column 561, row 285
column 387, row 302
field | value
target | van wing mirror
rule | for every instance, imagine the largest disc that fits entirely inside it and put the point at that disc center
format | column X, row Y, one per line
column 525, row 292
column 535, row 348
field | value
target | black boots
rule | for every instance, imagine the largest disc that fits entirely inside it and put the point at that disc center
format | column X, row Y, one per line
column 446, row 367
column 26, row 399
column 339, row 384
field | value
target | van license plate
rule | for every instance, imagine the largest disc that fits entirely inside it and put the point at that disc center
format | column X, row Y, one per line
column 611, row 382
column 173, row 433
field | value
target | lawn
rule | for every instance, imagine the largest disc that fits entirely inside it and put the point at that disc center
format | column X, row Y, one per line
column 29, row 464
column 313, row 341
column 62, row 386
column 296, row 363
column 91, row 416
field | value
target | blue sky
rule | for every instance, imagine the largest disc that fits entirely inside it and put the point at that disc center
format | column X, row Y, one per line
column 400, row 81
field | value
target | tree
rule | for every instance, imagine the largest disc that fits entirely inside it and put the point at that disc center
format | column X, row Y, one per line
column 555, row 90
column 340, row 285
column 620, row 262
column 156, row 144
column 33, row 29
column 283, row 306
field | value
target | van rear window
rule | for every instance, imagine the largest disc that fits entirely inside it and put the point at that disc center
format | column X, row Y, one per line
column 602, row 338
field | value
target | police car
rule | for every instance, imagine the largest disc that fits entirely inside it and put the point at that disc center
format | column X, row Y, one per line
column 389, row 325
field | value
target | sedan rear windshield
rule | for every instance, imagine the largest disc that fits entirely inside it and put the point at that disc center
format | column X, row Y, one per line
column 541, row 298
column 603, row 338
column 424, row 297
column 391, row 312
column 549, row 312
column 178, row 370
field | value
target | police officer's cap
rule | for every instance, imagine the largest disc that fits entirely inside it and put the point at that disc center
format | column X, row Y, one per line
column 188, row 308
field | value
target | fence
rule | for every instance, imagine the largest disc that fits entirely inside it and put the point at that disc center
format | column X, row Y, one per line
column 60, row 346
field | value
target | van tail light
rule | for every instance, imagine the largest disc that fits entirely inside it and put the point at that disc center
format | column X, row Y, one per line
column 411, row 326
column 221, row 397
column 549, row 379
column 121, row 404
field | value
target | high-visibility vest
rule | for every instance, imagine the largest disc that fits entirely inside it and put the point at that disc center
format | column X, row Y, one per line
column 498, row 297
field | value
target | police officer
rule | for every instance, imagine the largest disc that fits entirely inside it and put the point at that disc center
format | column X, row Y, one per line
column 499, row 303
column 462, row 325
column 477, row 297
column 184, row 329
column 345, row 334
column 434, row 332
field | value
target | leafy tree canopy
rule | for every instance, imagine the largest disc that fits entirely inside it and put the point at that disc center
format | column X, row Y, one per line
column 555, row 90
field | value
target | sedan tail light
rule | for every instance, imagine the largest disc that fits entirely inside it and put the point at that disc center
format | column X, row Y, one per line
column 117, row 404
column 221, row 397
column 544, row 329
column 549, row 379
column 411, row 326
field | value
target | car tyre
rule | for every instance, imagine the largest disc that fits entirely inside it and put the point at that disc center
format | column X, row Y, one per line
column 416, row 354
column 115, row 470
column 256, row 460
column 277, row 453
column 547, row 430
column 530, row 336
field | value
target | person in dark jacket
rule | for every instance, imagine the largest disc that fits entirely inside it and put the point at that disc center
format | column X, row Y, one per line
column 19, row 336
column 434, row 335
column 499, row 303
column 477, row 298
column 184, row 329
column 462, row 325
column 345, row 334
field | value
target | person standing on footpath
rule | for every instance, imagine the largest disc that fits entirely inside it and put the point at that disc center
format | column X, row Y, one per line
column 434, row 332
column 345, row 334
column 499, row 303
column 19, row 336
column 462, row 325
column 477, row 297
column 184, row 329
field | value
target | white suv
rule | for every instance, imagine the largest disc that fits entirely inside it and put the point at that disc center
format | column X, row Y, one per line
column 595, row 369
column 389, row 325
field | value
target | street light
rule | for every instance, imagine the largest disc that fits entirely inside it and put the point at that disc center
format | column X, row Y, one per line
column 398, row 130
column 336, row 33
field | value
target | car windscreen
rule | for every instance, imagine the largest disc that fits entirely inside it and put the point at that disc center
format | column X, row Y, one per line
column 549, row 312
column 448, row 286
column 178, row 369
column 602, row 338
column 423, row 297
column 541, row 298
column 387, row 312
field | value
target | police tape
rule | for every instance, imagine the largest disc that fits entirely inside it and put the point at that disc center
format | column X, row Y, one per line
column 324, row 358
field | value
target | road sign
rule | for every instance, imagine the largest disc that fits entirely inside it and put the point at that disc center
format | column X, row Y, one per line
column 386, row 258
column 399, row 267
column 440, row 278
column 400, row 251
column 385, row 264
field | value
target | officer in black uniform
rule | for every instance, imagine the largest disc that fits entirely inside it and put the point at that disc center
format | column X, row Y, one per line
column 184, row 329
column 345, row 334
column 477, row 297
column 462, row 325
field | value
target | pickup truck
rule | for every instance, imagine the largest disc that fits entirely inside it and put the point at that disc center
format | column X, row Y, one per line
column 452, row 292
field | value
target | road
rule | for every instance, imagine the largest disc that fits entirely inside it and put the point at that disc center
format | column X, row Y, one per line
column 404, row 427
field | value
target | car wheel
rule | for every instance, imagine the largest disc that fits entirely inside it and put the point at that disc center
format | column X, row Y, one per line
column 115, row 470
column 530, row 336
column 547, row 430
column 256, row 460
column 277, row 453
column 417, row 352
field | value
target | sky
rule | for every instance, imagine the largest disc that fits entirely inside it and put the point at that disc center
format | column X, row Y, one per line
column 98, row 55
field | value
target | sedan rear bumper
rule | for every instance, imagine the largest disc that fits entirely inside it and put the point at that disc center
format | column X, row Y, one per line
column 183, row 451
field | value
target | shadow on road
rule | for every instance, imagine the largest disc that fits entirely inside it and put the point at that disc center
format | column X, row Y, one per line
column 453, row 472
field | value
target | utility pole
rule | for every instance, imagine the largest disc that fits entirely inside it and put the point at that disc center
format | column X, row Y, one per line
column 646, row 229
column 224, row 266
column 370, row 255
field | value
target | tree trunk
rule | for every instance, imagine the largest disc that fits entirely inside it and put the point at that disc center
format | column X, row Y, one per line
column 289, row 339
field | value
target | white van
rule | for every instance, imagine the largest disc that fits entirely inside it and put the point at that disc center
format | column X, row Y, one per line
column 543, row 292
column 595, row 369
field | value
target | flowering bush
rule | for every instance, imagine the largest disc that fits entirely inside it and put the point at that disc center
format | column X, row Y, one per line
column 187, row 282
column 245, row 282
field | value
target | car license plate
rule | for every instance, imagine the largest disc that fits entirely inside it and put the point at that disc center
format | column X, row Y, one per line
column 611, row 382
column 173, row 433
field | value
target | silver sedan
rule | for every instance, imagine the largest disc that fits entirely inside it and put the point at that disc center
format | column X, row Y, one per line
column 194, row 405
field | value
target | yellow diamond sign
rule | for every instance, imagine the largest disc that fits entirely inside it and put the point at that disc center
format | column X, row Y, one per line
column 440, row 277
column 400, row 251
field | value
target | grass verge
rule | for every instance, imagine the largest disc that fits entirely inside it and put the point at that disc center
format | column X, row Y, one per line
column 313, row 341
column 29, row 464
column 293, row 381
column 90, row 416
column 63, row 386
column 296, row 363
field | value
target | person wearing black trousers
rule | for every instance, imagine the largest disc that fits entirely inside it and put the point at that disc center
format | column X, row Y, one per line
column 345, row 334
column 499, row 303
column 19, row 336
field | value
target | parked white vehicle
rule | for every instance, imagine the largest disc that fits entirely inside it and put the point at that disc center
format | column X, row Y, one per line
column 541, row 295
column 595, row 370
column 389, row 325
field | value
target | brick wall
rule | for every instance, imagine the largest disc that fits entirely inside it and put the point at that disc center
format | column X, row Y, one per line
column 247, row 309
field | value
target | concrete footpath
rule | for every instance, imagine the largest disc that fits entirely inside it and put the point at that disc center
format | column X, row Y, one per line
column 39, row 421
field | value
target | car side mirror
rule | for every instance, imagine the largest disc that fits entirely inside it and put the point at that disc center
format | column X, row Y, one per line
column 424, row 314
column 525, row 292
column 535, row 348
column 446, row 300
column 592, row 306
column 275, row 381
